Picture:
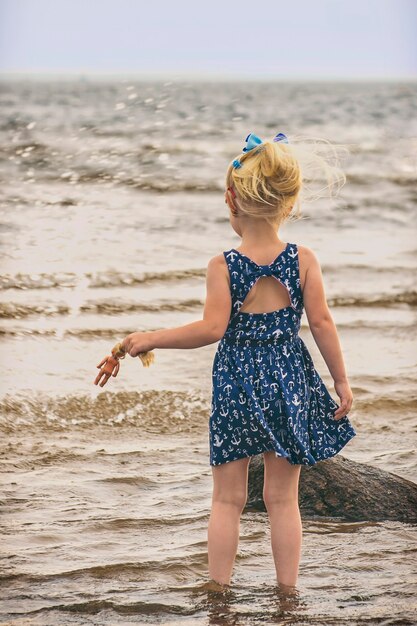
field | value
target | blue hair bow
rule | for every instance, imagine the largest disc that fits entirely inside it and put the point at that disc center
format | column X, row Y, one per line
column 252, row 141
column 281, row 137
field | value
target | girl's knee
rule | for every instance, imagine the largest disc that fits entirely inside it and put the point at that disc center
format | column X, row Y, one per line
column 231, row 483
column 281, row 481
column 235, row 498
column 279, row 497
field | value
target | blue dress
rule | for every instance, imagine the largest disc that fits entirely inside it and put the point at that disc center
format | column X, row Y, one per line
column 266, row 393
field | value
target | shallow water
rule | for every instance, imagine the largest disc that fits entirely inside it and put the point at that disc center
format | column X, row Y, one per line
column 109, row 216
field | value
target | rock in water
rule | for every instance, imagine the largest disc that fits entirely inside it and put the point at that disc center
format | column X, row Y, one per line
column 344, row 489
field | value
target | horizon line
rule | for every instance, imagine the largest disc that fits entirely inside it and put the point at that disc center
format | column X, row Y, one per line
column 197, row 77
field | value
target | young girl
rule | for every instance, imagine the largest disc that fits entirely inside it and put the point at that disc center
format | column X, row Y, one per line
column 267, row 396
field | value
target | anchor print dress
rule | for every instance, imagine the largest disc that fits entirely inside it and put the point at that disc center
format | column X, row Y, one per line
column 266, row 392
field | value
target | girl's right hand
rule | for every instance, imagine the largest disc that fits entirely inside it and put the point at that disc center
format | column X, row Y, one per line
column 345, row 394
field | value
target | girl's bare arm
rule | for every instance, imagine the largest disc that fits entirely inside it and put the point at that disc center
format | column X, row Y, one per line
column 319, row 317
column 324, row 329
column 211, row 328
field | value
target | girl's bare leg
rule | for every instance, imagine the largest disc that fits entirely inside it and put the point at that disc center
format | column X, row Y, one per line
column 281, row 500
column 230, row 490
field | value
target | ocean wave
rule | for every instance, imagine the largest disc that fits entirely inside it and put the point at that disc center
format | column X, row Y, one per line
column 169, row 186
column 144, row 607
column 178, row 564
column 95, row 281
column 144, row 182
column 28, row 332
column 352, row 268
column 33, row 153
column 378, row 300
column 396, row 327
column 38, row 281
column 112, row 278
column 13, row 310
column 187, row 147
column 394, row 404
column 117, row 279
column 20, row 201
column 147, row 160
column 371, row 179
column 154, row 412
column 127, row 480
column 111, row 308
column 80, row 333
column 165, row 184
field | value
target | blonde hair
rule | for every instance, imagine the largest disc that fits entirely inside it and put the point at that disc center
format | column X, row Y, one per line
column 276, row 176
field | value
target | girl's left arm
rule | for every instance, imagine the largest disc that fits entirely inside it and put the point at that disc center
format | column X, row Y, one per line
column 211, row 328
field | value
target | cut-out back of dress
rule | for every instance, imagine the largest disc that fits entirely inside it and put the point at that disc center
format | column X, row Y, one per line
column 278, row 296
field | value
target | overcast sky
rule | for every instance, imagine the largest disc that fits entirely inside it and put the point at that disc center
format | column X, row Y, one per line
column 262, row 38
